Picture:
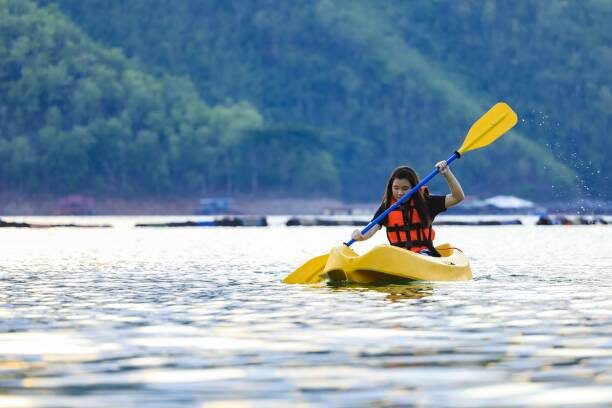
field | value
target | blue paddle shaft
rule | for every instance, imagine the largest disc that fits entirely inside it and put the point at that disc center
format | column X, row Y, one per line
column 404, row 198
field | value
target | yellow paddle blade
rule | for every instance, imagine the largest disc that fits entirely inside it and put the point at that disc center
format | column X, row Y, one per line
column 492, row 125
column 309, row 272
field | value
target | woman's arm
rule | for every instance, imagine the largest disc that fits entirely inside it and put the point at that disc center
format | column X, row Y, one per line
column 456, row 195
column 357, row 236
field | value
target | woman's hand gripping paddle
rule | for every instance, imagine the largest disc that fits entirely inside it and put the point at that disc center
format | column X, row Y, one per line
column 490, row 127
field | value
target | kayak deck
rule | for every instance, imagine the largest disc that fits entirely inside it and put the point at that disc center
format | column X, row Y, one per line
column 387, row 263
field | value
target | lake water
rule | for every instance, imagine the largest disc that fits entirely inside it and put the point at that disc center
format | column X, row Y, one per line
column 199, row 317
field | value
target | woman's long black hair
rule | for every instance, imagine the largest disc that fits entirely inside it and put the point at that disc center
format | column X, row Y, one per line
column 405, row 172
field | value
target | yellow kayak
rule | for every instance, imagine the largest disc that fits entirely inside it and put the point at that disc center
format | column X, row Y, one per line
column 386, row 263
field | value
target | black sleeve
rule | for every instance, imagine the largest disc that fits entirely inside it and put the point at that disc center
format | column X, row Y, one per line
column 380, row 210
column 435, row 205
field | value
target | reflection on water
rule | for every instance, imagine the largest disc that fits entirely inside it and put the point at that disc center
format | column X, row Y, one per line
column 393, row 291
column 197, row 317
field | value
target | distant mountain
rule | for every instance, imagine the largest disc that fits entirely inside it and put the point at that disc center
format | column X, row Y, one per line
column 326, row 97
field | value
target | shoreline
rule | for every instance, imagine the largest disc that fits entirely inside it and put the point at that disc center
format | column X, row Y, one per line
column 184, row 206
column 11, row 207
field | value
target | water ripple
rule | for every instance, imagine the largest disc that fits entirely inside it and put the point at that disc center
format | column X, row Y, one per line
column 188, row 318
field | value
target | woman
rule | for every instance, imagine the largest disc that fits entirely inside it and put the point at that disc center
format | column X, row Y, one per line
column 409, row 225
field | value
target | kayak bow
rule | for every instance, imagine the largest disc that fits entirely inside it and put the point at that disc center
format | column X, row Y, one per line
column 385, row 263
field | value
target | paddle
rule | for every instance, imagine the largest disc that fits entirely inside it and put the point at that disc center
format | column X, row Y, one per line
column 491, row 126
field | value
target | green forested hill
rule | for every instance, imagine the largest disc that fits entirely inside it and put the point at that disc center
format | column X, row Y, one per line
column 78, row 116
column 307, row 97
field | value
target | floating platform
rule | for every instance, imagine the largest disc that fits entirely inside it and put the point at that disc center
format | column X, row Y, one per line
column 9, row 224
column 563, row 220
column 314, row 222
column 482, row 222
column 221, row 222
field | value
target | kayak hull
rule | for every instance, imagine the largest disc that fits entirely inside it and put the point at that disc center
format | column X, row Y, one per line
column 387, row 263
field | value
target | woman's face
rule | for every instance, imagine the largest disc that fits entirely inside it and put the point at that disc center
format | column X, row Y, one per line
column 400, row 187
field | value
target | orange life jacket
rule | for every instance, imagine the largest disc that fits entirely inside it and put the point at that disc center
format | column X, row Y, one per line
column 405, row 229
